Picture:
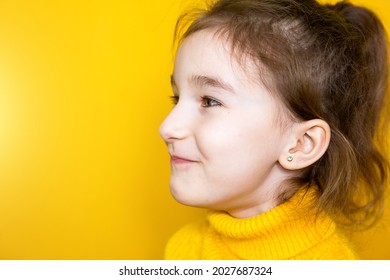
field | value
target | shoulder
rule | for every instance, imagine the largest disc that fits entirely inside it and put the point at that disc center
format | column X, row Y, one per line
column 334, row 247
column 186, row 242
column 337, row 247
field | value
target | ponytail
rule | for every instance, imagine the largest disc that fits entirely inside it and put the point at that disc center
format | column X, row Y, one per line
column 365, row 86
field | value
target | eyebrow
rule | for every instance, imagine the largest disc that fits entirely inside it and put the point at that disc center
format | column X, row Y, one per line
column 207, row 81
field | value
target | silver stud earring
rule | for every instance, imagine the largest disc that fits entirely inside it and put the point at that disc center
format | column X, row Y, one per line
column 290, row 158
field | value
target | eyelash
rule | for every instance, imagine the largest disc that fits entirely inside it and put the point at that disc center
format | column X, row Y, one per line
column 205, row 101
column 174, row 99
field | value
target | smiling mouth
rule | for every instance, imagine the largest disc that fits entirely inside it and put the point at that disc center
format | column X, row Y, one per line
column 179, row 160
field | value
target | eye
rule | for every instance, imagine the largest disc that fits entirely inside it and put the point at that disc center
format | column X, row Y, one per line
column 210, row 102
column 174, row 99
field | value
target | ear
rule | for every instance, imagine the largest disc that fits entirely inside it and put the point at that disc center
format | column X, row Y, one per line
column 307, row 143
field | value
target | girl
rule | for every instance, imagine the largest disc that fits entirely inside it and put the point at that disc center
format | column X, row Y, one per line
column 276, row 106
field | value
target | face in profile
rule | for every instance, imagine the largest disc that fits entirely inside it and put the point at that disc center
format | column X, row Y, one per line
column 223, row 133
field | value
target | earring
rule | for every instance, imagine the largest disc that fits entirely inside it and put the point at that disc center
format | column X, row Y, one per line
column 290, row 158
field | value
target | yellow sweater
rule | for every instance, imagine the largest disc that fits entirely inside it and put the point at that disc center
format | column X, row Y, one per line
column 291, row 230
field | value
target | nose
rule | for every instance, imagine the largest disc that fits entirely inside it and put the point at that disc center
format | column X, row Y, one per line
column 175, row 126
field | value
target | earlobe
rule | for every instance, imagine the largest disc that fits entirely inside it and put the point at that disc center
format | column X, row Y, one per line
column 309, row 141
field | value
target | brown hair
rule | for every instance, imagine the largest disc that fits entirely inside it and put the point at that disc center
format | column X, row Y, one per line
column 325, row 62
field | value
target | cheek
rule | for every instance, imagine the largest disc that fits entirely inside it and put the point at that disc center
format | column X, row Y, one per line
column 218, row 139
column 238, row 147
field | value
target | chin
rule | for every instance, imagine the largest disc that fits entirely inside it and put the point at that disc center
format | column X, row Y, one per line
column 187, row 198
column 183, row 198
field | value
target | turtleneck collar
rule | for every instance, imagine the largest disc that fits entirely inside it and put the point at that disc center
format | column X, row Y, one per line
column 280, row 233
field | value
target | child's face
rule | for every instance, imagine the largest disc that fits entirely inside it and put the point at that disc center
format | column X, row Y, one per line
column 224, row 134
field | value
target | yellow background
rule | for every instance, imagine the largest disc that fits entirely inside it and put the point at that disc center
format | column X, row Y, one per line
column 84, row 86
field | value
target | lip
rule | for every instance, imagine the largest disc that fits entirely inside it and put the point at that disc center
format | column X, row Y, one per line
column 180, row 160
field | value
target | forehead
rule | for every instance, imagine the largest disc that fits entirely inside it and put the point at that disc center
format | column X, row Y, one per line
column 207, row 53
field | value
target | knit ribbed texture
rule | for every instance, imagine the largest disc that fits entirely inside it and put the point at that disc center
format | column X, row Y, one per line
column 292, row 230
